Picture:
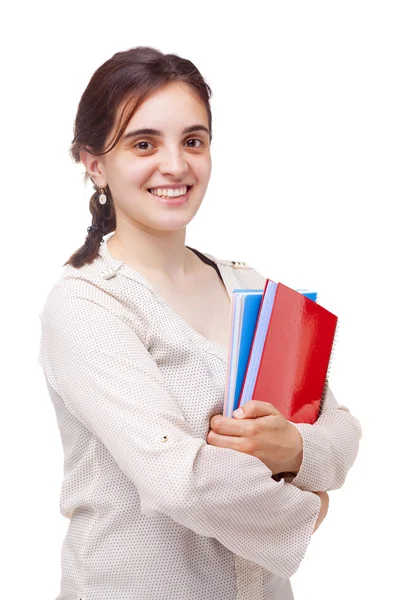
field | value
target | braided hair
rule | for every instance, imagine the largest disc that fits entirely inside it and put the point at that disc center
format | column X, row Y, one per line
column 103, row 222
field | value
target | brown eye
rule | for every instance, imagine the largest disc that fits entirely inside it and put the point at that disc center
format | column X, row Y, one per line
column 195, row 140
column 142, row 149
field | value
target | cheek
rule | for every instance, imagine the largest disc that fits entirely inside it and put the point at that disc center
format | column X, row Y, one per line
column 202, row 168
column 134, row 172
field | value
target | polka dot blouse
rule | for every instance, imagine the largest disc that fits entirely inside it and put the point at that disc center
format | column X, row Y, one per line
column 156, row 513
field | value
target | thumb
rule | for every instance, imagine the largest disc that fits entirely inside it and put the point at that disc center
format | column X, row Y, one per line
column 253, row 409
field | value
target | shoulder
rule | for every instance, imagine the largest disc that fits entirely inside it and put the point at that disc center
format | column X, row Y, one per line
column 245, row 274
column 235, row 264
column 95, row 289
column 87, row 281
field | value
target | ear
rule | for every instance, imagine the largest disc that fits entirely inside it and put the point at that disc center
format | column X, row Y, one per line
column 94, row 167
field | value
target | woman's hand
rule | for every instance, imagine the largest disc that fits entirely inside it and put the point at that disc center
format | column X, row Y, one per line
column 262, row 431
column 324, row 508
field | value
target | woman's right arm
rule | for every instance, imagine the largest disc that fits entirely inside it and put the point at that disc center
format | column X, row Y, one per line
column 109, row 381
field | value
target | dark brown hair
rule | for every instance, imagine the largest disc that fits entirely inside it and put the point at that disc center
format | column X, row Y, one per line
column 127, row 77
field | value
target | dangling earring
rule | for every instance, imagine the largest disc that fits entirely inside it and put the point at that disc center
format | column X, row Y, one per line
column 102, row 197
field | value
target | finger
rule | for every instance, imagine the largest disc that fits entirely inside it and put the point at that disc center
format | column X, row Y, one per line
column 256, row 408
column 228, row 426
column 225, row 441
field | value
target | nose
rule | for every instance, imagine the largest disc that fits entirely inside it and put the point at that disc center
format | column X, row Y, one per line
column 173, row 163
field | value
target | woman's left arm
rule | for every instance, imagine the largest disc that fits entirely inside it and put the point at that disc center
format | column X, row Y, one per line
column 330, row 447
column 314, row 458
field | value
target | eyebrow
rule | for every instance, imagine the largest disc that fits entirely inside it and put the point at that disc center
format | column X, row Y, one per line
column 148, row 131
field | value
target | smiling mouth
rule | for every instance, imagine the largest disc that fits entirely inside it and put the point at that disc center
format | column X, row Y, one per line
column 173, row 200
column 188, row 188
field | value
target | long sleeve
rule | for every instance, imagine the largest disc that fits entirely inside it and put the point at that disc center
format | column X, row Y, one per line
column 330, row 447
column 108, row 380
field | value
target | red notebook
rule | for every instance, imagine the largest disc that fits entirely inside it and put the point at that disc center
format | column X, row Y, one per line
column 292, row 373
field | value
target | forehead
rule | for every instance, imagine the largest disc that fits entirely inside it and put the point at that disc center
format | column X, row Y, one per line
column 173, row 105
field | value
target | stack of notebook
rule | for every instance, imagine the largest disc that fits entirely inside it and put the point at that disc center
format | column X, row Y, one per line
column 281, row 343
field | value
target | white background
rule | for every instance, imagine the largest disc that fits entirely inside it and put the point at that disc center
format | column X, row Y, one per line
column 304, row 187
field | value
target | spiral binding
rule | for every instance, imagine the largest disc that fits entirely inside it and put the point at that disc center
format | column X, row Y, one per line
column 325, row 389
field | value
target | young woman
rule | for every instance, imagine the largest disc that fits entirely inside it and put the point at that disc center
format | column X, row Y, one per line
column 166, row 498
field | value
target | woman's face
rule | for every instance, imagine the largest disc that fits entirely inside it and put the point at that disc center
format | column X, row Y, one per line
column 171, row 157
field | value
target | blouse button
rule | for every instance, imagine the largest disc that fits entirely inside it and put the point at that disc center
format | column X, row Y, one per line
column 239, row 264
column 108, row 273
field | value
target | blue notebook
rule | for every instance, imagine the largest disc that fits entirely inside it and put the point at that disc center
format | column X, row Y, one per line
column 245, row 309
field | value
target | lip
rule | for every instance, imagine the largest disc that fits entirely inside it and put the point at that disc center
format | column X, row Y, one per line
column 174, row 186
column 173, row 201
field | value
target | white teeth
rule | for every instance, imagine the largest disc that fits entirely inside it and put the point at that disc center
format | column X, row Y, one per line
column 168, row 193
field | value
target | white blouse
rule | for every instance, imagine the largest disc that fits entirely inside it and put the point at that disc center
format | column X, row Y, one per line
column 155, row 512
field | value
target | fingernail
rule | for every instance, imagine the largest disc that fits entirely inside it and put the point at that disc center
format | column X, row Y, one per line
column 238, row 412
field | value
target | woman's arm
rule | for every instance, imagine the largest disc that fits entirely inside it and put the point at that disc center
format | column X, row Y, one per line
column 324, row 508
column 330, row 447
column 108, row 380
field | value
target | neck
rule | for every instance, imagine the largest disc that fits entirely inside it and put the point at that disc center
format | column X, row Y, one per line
column 163, row 254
